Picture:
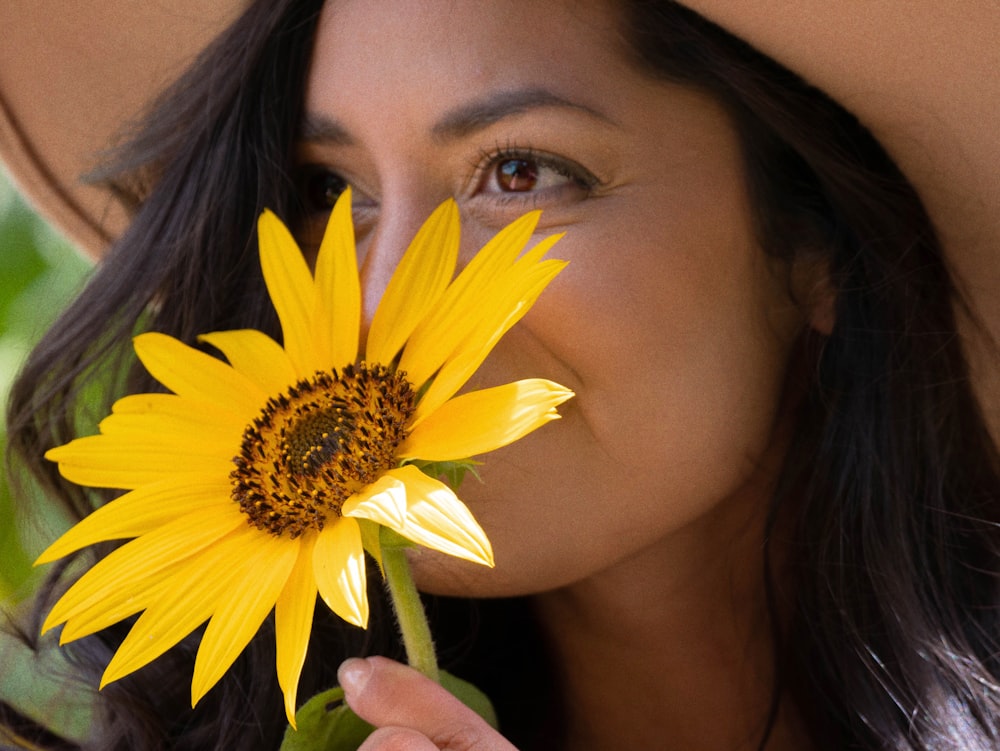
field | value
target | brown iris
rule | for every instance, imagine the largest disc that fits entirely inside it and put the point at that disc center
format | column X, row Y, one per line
column 318, row 443
column 516, row 175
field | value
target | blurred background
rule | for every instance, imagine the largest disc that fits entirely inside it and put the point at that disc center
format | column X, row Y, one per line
column 39, row 273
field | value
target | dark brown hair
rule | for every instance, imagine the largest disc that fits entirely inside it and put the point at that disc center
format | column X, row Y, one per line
column 892, row 482
column 893, row 478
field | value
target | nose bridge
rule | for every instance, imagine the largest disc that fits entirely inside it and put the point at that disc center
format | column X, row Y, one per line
column 397, row 223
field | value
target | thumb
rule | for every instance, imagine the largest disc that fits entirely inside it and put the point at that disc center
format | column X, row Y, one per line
column 406, row 705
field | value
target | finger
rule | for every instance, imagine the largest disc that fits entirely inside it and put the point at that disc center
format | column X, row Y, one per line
column 388, row 694
column 397, row 739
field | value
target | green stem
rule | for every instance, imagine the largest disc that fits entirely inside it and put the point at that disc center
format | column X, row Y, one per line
column 410, row 613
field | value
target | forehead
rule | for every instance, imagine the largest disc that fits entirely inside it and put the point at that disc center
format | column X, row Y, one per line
column 400, row 87
column 402, row 45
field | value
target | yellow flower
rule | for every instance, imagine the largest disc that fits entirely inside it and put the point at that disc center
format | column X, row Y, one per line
column 259, row 483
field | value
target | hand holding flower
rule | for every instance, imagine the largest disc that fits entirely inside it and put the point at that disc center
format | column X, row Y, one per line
column 411, row 711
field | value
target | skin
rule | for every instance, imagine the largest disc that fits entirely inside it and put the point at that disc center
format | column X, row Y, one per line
column 672, row 326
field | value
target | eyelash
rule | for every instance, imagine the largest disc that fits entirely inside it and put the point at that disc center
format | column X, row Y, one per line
column 489, row 160
column 314, row 179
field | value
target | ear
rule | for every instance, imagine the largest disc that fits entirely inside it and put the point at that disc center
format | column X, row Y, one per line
column 813, row 288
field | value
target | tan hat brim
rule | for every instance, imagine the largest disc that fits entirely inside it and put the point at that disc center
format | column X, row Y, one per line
column 71, row 76
column 924, row 76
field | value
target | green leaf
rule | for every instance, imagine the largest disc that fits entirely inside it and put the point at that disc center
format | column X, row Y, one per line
column 326, row 723
column 453, row 472
column 471, row 697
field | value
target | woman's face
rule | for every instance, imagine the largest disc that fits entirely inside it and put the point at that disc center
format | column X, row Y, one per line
column 670, row 323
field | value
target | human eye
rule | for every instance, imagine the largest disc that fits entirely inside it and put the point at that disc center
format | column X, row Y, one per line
column 318, row 188
column 537, row 178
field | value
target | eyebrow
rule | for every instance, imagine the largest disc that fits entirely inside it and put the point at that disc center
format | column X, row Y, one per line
column 319, row 128
column 461, row 121
column 479, row 114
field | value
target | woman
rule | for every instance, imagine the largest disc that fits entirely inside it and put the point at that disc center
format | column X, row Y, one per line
column 768, row 520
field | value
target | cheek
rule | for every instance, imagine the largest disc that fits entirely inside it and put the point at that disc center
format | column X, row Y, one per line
column 679, row 350
column 675, row 338
column 678, row 371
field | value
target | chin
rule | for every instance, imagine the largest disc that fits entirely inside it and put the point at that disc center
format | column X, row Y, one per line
column 440, row 574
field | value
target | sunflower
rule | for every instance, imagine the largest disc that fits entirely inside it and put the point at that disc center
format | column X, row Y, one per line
column 260, row 482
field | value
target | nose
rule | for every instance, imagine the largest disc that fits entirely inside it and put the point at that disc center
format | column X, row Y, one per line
column 381, row 249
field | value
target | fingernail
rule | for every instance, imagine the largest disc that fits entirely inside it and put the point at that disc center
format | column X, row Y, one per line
column 353, row 674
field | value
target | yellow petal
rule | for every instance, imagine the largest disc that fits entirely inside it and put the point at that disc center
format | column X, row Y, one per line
column 188, row 600
column 537, row 252
column 103, row 461
column 130, row 595
column 140, row 512
column 132, row 598
column 161, row 627
column 146, row 556
column 485, row 420
column 416, row 285
column 290, row 285
column 293, row 617
column 198, row 376
column 177, row 415
column 337, row 319
column 242, row 608
column 461, row 306
column 437, row 519
column 488, row 331
column 383, row 502
column 339, row 566
column 257, row 356
column 176, row 435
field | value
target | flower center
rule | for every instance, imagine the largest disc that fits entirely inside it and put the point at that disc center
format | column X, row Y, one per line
column 318, row 443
